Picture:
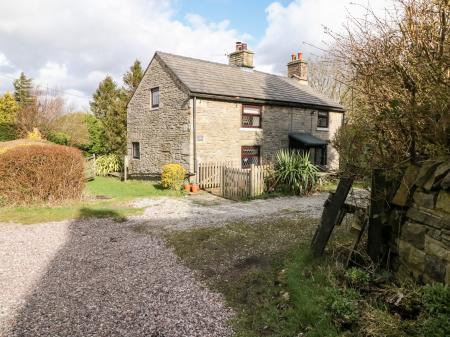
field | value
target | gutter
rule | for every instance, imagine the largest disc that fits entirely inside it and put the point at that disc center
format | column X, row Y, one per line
column 194, row 131
column 269, row 102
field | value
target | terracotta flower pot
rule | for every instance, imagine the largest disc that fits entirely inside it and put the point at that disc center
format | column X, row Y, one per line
column 195, row 188
column 187, row 187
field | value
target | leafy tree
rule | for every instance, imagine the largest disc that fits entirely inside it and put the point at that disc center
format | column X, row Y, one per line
column 132, row 78
column 23, row 90
column 8, row 114
column 398, row 68
column 74, row 125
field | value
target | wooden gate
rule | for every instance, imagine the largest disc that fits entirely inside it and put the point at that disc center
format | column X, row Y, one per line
column 231, row 182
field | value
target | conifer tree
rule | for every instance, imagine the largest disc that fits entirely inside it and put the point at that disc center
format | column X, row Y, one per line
column 132, row 78
column 23, row 87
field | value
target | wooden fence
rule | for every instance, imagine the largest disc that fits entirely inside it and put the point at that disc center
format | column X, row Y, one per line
column 89, row 168
column 233, row 183
column 210, row 174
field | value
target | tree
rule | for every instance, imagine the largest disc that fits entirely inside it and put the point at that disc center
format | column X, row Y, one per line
column 42, row 113
column 23, row 90
column 398, row 67
column 132, row 78
column 97, row 137
column 8, row 114
column 109, row 106
column 74, row 125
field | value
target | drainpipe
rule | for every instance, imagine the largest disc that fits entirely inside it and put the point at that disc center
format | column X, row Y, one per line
column 194, row 132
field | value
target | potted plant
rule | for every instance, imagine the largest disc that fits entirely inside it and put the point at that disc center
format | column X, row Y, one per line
column 195, row 188
column 187, row 185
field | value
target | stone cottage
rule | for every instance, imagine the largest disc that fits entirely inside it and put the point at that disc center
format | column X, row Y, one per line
column 188, row 111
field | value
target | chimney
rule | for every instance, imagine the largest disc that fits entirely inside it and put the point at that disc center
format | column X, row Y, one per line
column 298, row 69
column 241, row 57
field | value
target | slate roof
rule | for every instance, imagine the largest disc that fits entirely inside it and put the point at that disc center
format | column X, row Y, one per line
column 209, row 78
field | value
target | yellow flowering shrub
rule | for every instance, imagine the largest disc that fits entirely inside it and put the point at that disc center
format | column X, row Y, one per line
column 172, row 176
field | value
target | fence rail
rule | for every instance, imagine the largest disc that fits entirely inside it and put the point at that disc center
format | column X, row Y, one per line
column 231, row 182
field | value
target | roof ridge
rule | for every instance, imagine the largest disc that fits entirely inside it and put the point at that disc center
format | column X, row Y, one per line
column 216, row 63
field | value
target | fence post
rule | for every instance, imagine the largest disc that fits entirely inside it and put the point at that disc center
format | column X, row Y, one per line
column 95, row 166
column 125, row 168
column 251, row 180
column 222, row 183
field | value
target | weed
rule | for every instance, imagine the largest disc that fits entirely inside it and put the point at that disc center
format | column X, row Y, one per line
column 357, row 277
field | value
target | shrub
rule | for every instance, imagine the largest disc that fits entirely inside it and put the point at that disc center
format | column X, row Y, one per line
column 173, row 176
column 357, row 277
column 108, row 163
column 295, row 172
column 31, row 174
column 34, row 135
column 343, row 307
column 60, row 138
column 436, row 298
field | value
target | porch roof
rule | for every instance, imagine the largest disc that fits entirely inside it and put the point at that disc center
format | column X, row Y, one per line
column 307, row 140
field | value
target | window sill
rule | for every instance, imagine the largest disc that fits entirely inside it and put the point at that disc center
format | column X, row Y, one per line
column 251, row 129
column 323, row 129
column 155, row 108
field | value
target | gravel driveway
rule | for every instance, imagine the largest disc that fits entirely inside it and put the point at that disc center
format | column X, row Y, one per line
column 98, row 277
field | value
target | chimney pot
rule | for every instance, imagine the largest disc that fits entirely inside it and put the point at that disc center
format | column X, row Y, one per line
column 298, row 69
column 241, row 57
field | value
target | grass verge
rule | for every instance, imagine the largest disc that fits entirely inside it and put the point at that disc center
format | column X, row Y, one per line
column 266, row 274
column 104, row 197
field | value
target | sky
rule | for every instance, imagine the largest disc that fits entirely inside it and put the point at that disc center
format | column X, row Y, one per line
column 70, row 46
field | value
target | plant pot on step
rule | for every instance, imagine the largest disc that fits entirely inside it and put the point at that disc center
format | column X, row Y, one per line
column 187, row 187
column 195, row 188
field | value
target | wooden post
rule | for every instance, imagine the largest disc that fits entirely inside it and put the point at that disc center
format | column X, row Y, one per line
column 330, row 216
column 251, row 180
column 375, row 232
column 125, row 168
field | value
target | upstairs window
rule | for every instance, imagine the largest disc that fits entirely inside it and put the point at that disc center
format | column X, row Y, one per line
column 322, row 120
column 250, row 155
column 155, row 98
column 136, row 150
column 251, row 116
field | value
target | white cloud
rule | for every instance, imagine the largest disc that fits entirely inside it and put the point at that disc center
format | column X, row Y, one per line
column 294, row 27
column 73, row 44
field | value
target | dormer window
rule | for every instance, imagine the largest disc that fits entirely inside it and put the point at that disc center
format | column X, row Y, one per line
column 251, row 116
column 155, row 98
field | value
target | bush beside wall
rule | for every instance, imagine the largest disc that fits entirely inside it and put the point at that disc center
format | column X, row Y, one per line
column 44, row 173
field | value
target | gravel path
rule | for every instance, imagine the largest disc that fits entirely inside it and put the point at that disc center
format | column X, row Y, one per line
column 97, row 277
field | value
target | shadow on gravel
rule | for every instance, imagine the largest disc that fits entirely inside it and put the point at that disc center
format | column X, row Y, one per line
column 109, row 280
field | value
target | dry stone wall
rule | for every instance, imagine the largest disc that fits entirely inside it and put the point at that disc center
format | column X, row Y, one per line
column 423, row 245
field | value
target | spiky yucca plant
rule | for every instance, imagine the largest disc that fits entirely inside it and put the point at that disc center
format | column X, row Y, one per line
column 295, row 172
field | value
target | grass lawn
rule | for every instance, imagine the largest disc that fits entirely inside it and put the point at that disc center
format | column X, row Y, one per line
column 104, row 197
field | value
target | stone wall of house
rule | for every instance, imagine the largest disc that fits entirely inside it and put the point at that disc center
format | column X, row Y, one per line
column 163, row 133
column 220, row 136
column 423, row 245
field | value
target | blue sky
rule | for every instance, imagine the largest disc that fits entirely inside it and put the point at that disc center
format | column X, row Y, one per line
column 247, row 16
